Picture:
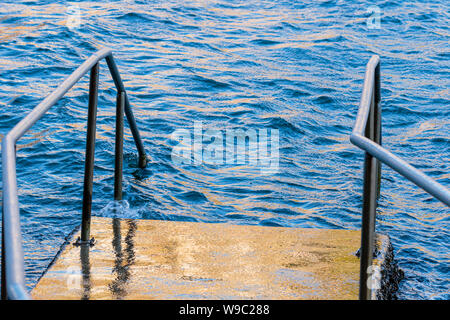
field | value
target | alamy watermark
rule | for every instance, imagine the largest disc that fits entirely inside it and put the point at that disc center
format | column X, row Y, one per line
column 251, row 147
column 73, row 278
column 374, row 20
column 73, row 17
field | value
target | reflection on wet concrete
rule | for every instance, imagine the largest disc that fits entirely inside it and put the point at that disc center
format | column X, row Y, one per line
column 85, row 271
column 121, row 269
column 186, row 260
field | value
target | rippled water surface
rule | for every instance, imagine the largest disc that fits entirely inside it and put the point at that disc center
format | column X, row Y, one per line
column 292, row 66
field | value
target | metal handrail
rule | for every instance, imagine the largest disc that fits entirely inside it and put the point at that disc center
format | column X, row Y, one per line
column 13, row 273
column 366, row 135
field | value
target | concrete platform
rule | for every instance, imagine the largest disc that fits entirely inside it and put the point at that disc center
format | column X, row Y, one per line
column 149, row 259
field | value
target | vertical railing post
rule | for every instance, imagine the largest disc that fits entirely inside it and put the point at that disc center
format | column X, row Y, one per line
column 90, row 150
column 118, row 163
column 142, row 161
column 3, row 293
column 377, row 118
column 371, row 184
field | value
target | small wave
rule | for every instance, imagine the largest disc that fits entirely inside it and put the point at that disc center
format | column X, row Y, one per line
column 119, row 209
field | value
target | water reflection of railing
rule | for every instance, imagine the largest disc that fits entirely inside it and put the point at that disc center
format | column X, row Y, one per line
column 13, row 273
column 124, row 259
column 85, row 272
column 367, row 136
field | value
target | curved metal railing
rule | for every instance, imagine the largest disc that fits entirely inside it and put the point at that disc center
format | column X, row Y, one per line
column 367, row 136
column 13, row 274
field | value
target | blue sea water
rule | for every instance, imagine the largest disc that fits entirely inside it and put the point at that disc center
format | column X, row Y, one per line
column 293, row 66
